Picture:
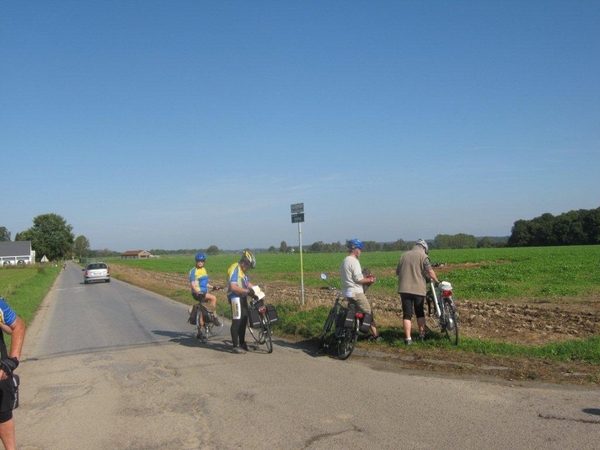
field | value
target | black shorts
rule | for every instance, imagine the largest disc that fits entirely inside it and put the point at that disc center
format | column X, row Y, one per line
column 410, row 300
column 9, row 397
column 201, row 298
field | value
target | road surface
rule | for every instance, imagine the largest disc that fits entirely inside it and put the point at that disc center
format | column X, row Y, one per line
column 111, row 366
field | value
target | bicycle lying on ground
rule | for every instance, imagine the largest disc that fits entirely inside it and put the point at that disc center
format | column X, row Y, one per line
column 441, row 315
column 347, row 324
column 260, row 319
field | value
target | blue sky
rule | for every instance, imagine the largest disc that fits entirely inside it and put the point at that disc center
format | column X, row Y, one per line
column 184, row 124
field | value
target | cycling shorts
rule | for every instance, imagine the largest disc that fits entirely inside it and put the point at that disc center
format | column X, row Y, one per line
column 410, row 300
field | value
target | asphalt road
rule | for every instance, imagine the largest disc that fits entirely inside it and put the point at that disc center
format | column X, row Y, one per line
column 111, row 366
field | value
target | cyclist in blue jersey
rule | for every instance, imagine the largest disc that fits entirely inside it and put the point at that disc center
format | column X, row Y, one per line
column 11, row 324
column 200, row 285
column 238, row 288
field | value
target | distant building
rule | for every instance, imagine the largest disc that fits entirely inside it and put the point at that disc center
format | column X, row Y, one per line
column 18, row 252
column 136, row 254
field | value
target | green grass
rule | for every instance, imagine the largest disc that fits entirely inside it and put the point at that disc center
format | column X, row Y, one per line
column 24, row 288
column 542, row 273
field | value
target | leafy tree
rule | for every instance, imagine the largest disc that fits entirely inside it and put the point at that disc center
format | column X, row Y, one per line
column 213, row 250
column 398, row 246
column 460, row 240
column 50, row 236
column 283, row 247
column 4, row 234
column 272, row 249
column 81, row 247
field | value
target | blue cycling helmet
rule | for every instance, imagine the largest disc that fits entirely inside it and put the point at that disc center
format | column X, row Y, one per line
column 354, row 243
column 200, row 257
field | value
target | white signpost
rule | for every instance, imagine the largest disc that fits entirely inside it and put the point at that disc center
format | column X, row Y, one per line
column 298, row 217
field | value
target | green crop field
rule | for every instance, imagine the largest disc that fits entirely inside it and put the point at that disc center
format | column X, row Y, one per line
column 477, row 274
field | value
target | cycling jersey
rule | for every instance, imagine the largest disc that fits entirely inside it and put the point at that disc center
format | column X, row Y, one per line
column 236, row 275
column 200, row 278
column 7, row 315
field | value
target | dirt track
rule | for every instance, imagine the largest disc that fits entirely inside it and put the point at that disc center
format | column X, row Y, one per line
column 520, row 322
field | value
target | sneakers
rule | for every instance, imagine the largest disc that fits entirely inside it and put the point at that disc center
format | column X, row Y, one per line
column 408, row 341
column 376, row 338
column 244, row 346
column 239, row 350
column 216, row 321
column 421, row 337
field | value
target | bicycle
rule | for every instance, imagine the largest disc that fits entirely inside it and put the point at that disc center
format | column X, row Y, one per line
column 347, row 323
column 441, row 311
column 209, row 326
column 260, row 317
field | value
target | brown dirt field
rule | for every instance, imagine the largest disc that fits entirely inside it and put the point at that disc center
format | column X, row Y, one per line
column 520, row 322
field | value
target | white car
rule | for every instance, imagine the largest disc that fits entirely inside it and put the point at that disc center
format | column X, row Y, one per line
column 96, row 271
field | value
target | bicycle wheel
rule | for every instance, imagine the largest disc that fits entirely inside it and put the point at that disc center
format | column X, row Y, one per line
column 215, row 330
column 256, row 334
column 348, row 340
column 432, row 320
column 326, row 328
column 201, row 334
column 451, row 325
column 265, row 331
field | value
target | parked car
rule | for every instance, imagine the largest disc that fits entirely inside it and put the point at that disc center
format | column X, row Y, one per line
column 96, row 271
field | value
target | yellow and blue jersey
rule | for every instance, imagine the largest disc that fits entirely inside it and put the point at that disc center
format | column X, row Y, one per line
column 200, row 277
column 235, row 274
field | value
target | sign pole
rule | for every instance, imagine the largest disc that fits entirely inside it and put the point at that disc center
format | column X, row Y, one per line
column 301, row 264
column 298, row 217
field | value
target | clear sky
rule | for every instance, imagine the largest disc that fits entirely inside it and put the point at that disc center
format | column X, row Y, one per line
column 184, row 124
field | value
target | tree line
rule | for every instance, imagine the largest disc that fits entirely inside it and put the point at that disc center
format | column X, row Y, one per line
column 53, row 237
column 580, row 227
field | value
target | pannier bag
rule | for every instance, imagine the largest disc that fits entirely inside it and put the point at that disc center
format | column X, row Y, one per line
column 345, row 318
column 365, row 326
column 253, row 318
column 193, row 312
column 273, row 317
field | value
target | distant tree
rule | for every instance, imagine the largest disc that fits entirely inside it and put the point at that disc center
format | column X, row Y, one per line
column 50, row 236
column 318, row 247
column 460, row 240
column 272, row 249
column 591, row 225
column 283, row 247
column 398, row 246
column 81, row 246
column 372, row 246
column 486, row 242
column 570, row 228
column 4, row 234
column 213, row 250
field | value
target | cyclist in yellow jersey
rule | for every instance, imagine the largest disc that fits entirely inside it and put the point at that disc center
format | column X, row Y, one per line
column 200, row 285
column 238, row 288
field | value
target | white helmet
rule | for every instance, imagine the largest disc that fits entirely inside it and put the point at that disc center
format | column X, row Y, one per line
column 423, row 244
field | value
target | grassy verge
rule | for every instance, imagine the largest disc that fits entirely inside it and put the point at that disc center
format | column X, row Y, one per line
column 24, row 288
column 307, row 324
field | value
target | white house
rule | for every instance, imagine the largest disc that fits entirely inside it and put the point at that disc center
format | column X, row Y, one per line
column 18, row 252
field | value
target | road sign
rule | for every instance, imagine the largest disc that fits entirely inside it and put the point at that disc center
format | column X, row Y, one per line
column 297, row 218
column 297, row 208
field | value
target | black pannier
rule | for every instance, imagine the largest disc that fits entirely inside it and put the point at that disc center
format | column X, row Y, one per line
column 253, row 318
column 365, row 326
column 273, row 317
column 345, row 318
